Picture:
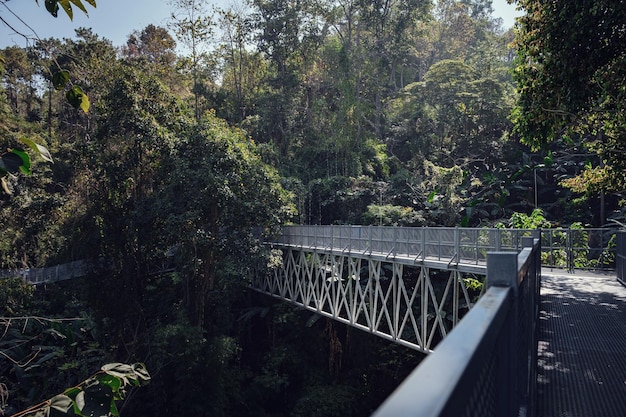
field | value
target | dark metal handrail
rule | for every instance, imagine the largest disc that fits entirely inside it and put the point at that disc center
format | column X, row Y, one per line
column 485, row 366
column 620, row 257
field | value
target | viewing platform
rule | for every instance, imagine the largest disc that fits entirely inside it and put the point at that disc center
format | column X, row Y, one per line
column 582, row 345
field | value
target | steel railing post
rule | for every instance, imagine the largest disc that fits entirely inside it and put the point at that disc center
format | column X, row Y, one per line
column 395, row 240
column 570, row 250
column 502, row 271
column 457, row 244
column 476, row 241
column 498, row 242
column 620, row 256
column 349, row 238
column 533, row 321
column 439, row 233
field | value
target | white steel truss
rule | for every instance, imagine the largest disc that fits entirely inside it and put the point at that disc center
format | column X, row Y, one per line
column 412, row 305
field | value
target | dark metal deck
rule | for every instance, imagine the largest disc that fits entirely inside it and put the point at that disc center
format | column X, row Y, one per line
column 582, row 346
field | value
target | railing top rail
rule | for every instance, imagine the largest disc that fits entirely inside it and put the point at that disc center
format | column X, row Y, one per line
column 465, row 363
column 428, row 389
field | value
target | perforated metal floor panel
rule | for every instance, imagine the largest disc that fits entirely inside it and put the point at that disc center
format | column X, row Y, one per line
column 582, row 346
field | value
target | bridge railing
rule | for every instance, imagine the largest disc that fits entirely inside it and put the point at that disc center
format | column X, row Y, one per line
column 466, row 245
column 563, row 248
column 579, row 248
column 56, row 273
column 486, row 365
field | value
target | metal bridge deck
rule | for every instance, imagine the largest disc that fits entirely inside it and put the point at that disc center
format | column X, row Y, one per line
column 582, row 346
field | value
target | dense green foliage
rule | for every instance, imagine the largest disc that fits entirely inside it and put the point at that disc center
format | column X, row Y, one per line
column 571, row 69
column 313, row 112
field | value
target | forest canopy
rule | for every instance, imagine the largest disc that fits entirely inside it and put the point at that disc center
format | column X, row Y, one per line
column 394, row 113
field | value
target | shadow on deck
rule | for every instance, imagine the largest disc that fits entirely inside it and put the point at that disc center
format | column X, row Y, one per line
column 582, row 346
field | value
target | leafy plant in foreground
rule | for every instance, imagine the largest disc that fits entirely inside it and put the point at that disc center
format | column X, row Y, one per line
column 52, row 6
column 17, row 160
column 96, row 396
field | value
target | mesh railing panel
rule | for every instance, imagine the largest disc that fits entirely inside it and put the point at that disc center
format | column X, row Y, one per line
column 579, row 248
column 496, row 376
column 483, row 399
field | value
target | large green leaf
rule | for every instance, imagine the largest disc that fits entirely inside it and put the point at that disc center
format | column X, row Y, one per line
column 78, row 99
column 53, row 7
column 25, row 166
column 80, row 5
column 67, row 7
column 98, row 399
column 41, row 150
column 60, row 79
column 111, row 381
column 10, row 162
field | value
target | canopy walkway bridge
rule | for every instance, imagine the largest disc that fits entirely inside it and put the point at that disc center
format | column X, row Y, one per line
column 501, row 337
column 529, row 344
column 408, row 285
column 62, row 272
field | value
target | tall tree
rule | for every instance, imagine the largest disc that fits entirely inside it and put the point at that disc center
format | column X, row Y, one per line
column 218, row 192
column 288, row 35
column 153, row 48
column 571, row 71
column 18, row 79
column 193, row 26
column 243, row 69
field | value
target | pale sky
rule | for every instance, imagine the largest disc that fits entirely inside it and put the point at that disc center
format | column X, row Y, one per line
column 116, row 19
column 506, row 11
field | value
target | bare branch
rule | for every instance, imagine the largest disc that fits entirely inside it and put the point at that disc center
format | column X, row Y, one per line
column 17, row 32
column 18, row 363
